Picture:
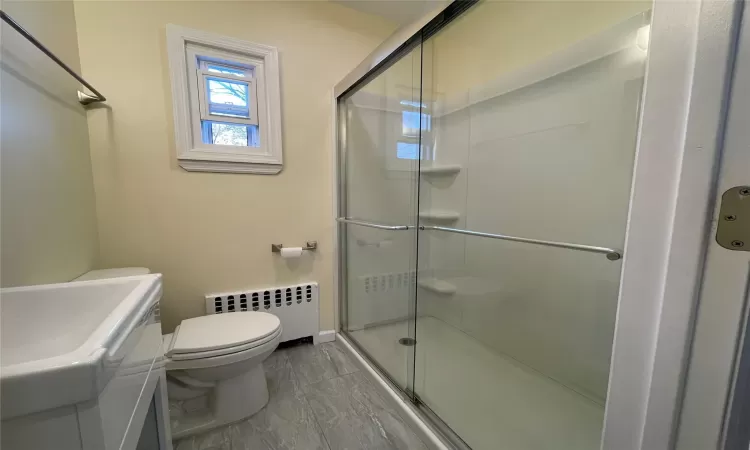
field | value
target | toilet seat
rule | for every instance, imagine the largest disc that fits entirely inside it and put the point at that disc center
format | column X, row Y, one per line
column 216, row 340
column 241, row 353
column 220, row 334
column 223, row 351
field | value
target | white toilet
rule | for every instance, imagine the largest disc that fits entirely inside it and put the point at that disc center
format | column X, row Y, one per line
column 218, row 356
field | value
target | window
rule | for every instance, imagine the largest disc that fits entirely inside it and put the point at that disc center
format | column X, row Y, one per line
column 407, row 150
column 226, row 103
column 412, row 122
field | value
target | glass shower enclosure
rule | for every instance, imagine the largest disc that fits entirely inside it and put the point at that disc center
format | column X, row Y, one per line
column 483, row 198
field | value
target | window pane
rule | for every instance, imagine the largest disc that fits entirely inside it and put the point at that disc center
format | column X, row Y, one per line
column 224, row 69
column 410, row 123
column 407, row 150
column 229, row 134
column 227, row 98
column 227, row 92
column 221, row 133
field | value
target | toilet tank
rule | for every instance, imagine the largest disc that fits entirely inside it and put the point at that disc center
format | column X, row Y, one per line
column 113, row 273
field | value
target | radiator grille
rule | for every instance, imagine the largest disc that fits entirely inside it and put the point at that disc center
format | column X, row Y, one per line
column 296, row 306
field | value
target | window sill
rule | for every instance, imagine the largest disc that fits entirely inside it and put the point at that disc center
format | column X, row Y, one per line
column 193, row 165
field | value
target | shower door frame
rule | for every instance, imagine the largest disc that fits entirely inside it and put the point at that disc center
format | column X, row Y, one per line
column 341, row 271
column 678, row 146
column 378, row 58
column 396, row 46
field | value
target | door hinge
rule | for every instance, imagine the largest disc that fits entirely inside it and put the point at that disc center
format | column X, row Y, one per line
column 733, row 231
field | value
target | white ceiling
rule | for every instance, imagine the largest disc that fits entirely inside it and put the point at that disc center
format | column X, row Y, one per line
column 399, row 11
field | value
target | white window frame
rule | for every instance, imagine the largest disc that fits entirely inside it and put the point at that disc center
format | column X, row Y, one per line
column 190, row 106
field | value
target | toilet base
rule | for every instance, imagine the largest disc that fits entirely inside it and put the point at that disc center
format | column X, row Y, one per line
column 233, row 400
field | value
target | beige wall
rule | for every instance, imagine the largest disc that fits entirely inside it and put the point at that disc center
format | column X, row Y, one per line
column 498, row 36
column 47, row 216
column 212, row 232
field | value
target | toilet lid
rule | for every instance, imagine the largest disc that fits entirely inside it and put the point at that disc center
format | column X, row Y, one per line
column 222, row 331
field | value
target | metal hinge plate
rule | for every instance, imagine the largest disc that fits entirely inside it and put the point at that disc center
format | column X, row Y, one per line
column 733, row 231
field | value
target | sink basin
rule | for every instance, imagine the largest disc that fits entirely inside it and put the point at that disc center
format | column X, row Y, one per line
column 62, row 343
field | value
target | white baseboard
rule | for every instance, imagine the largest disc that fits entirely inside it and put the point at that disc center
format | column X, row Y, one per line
column 420, row 428
column 324, row 336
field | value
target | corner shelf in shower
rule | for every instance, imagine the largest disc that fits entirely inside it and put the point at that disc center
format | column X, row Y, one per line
column 448, row 169
column 437, row 286
column 439, row 215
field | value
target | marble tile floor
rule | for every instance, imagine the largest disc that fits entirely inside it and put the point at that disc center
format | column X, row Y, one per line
column 318, row 400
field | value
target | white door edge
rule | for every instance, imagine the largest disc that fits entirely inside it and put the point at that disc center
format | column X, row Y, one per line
column 671, row 200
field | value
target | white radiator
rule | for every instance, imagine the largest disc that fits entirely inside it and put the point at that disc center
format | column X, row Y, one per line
column 296, row 306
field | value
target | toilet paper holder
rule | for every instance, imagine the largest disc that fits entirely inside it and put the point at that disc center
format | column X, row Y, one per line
column 310, row 245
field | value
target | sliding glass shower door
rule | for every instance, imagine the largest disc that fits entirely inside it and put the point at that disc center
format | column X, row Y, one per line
column 379, row 156
column 523, row 205
column 487, row 179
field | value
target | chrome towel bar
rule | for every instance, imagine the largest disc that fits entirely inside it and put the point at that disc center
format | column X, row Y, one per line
column 612, row 254
column 83, row 98
column 379, row 226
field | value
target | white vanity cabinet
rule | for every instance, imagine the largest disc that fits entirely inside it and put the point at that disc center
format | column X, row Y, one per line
column 126, row 408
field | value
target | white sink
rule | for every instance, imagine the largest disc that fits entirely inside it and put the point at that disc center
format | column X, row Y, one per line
column 60, row 344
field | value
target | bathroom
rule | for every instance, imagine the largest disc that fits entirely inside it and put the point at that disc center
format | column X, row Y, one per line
column 391, row 224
